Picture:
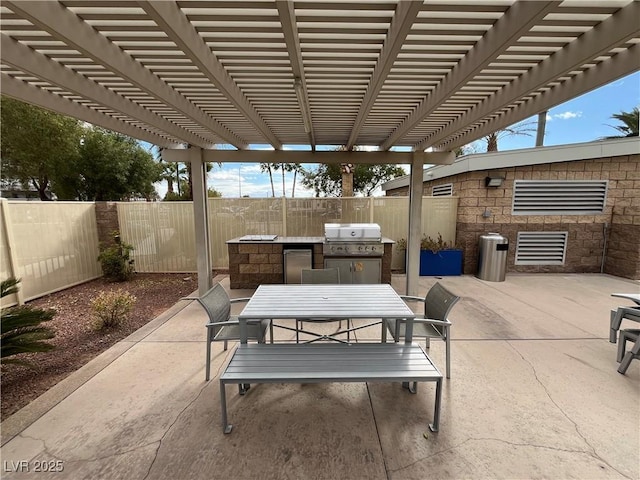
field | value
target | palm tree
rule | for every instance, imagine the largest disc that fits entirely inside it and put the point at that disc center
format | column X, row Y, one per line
column 21, row 330
column 295, row 168
column 268, row 167
column 518, row 129
column 629, row 127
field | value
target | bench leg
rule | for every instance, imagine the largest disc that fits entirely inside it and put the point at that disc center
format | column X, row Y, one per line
column 436, row 411
column 630, row 355
column 226, row 428
column 243, row 388
column 412, row 387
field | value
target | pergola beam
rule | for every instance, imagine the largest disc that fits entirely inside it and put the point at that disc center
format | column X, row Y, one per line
column 333, row 157
column 516, row 22
column 33, row 63
column 286, row 11
column 179, row 29
column 401, row 23
column 624, row 63
column 66, row 27
column 615, row 30
column 36, row 96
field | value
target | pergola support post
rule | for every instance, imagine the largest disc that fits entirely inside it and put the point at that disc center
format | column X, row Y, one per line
column 201, row 219
column 415, row 223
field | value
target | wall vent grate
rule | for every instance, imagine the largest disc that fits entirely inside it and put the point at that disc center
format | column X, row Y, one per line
column 541, row 248
column 445, row 190
column 559, row 197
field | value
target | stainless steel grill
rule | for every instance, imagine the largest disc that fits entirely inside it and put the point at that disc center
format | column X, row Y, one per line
column 352, row 240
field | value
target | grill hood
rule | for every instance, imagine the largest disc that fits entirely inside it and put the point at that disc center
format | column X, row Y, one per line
column 352, row 232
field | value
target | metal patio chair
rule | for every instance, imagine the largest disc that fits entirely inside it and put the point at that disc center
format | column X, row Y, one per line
column 628, row 335
column 437, row 304
column 620, row 314
column 223, row 326
column 319, row 276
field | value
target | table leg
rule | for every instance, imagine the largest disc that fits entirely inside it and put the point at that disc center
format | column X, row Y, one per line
column 244, row 334
column 226, row 428
column 408, row 333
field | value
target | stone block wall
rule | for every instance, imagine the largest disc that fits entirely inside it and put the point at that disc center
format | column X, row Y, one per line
column 107, row 222
column 483, row 210
column 386, row 263
column 623, row 249
column 584, row 245
column 253, row 264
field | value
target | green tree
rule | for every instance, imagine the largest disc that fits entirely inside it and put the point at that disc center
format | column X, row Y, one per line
column 21, row 329
column 115, row 167
column 326, row 180
column 629, row 127
column 39, row 147
column 213, row 193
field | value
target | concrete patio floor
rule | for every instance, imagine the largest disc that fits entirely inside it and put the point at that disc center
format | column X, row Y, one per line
column 534, row 393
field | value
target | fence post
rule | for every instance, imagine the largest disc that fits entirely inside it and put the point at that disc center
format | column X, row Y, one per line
column 284, row 216
column 8, row 231
column 371, row 209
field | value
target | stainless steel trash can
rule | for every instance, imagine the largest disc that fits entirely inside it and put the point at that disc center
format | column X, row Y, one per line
column 492, row 257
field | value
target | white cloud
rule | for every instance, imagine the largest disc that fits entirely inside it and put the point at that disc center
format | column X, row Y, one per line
column 567, row 115
column 234, row 179
column 549, row 118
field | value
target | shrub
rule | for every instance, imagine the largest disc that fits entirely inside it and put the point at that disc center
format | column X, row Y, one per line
column 428, row 243
column 112, row 308
column 20, row 327
column 116, row 261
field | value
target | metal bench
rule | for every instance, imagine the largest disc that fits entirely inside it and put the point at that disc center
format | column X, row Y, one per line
column 326, row 363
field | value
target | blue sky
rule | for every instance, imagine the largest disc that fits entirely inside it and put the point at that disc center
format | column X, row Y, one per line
column 582, row 119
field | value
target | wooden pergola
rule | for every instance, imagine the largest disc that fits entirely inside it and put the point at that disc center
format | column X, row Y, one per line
column 210, row 81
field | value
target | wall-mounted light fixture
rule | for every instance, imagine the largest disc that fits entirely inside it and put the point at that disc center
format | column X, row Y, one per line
column 302, row 103
column 493, row 182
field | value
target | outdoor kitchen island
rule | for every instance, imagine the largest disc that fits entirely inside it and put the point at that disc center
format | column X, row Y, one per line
column 259, row 259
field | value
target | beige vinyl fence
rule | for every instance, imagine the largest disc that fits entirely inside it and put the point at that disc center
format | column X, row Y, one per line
column 48, row 245
column 163, row 233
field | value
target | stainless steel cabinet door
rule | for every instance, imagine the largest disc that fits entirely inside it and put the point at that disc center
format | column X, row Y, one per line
column 366, row 270
column 356, row 270
column 343, row 265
